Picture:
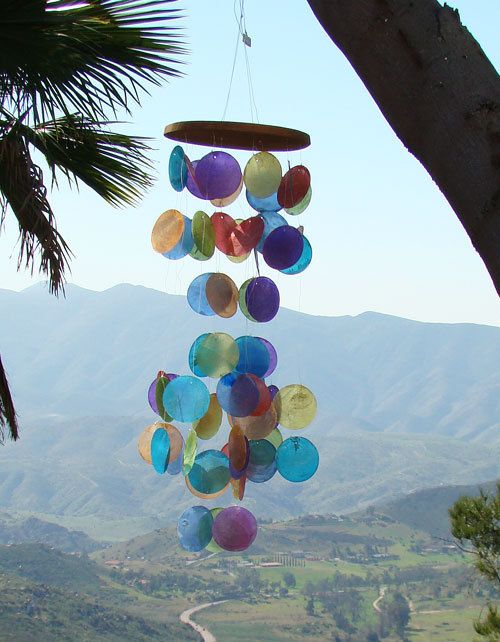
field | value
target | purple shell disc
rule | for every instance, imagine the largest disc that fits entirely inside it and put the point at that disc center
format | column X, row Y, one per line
column 238, row 394
column 262, row 298
column 273, row 390
column 152, row 396
column 283, row 247
column 234, row 528
column 218, row 175
column 273, row 361
column 191, row 182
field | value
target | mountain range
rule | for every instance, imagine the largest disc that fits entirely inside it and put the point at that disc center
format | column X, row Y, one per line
column 402, row 405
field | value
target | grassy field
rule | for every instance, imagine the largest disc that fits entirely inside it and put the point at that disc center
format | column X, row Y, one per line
column 264, row 621
column 443, row 625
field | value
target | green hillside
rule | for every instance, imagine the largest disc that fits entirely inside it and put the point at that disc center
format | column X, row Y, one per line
column 314, row 578
column 427, row 510
column 36, row 612
column 49, row 596
column 40, row 563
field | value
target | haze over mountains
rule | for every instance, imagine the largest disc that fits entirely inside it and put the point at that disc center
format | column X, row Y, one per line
column 402, row 404
column 95, row 353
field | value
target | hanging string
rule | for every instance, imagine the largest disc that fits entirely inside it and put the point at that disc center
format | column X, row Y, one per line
column 242, row 36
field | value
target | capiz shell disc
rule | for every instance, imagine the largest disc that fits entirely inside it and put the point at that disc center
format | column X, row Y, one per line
column 224, row 202
column 189, row 454
column 222, row 295
column 144, row 441
column 262, row 174
column 300, row 207
column 234, row 528
column 297, row 459
column 160, row 449
column 296, row 406
column 266, row 204
column 217, row 175
column 262, row 299
column 253, row 356
column 194, row 528
column 304, row 260
column 238, row 452
column 212, row 546
column 203, row 236
column 197, row 296
column 167, row 231
column 176, row 441
column 210, row 472
column 177, row 169
column 262, row 461
column 257, row 427
column 238, row 394
column 294, row 186
column 184, row 245
column 214, row 355
column 209, row 424
column 186, row 399
column 272, row 220
column 283, row 247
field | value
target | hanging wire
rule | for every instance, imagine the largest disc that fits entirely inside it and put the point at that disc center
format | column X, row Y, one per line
column 242, row 36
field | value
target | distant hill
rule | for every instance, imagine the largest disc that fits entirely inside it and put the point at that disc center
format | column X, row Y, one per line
column 89, row 467
column 402, row 405
column 95, row 353
column 318, row 534
column 427, row 510
column 32, row 529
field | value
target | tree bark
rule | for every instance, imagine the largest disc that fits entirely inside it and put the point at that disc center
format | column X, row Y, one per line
column 439, row 93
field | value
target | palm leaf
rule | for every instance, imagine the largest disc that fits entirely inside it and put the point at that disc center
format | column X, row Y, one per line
column 88, row 56
column 22, row 188
column 114, row 165
column 8, row 416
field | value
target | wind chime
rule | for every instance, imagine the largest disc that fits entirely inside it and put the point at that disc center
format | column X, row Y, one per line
column 257, row 413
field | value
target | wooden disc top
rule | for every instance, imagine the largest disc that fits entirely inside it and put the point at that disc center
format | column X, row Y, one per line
column 232, row 135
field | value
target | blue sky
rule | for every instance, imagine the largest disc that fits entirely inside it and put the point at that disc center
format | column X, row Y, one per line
column 383, row 236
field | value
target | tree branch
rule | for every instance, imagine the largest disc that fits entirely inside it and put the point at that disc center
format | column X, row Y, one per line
column 439, row 93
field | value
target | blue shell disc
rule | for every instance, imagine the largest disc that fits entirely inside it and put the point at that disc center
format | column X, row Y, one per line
column 185, row 244
column 254, row 356
column 160, row 449
column 187, row 400
column 194, row 528
column 297, row 459
column 197, row 297
column 303, row 262
column 262, row 461
column 177, row 169
column 267, row 204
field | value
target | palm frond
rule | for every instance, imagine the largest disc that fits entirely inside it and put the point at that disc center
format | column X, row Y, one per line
column 8, row 417
column 89, row 56
column 22, row 188
column 114, row 165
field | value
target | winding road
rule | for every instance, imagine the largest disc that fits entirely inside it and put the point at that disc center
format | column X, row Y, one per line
column 185, row 618
column 380, row 597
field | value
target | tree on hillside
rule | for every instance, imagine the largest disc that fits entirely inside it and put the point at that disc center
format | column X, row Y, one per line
column 289, row 579
column 397, row 614
column 439, row 93
column 475, row 523
column 67, row 68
